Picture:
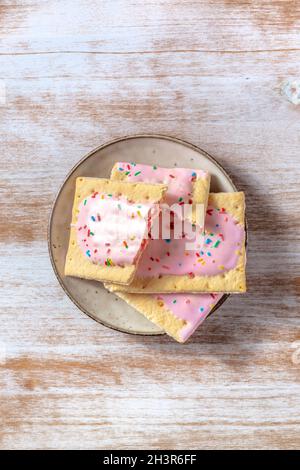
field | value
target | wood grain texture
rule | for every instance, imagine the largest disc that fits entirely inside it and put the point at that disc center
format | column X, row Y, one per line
column 75, row 74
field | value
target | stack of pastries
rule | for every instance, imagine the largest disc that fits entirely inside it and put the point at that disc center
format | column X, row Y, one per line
column 159, row 240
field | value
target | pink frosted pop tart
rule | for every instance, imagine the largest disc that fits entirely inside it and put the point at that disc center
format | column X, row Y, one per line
column 179, row 315
column 109, row 228
column 217, row 265
column 186, row 187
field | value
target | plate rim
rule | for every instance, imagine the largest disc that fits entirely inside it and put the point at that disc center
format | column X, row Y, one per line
column 85, row 157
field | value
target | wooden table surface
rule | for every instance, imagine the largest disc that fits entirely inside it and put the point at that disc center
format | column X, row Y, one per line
column 76, row 73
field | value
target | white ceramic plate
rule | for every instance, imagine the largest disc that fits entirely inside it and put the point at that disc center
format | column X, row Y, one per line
column 90, row 296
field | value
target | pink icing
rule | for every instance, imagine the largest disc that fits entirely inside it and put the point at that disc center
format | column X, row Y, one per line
column 192, row 308
column 179, row 180
column 220, row 252
column 223, row 235
column 111, row 231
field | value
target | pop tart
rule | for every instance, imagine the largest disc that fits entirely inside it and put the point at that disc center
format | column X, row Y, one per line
column 179, row 315
column 109, row 228
column 216, row 265
column 187, row 188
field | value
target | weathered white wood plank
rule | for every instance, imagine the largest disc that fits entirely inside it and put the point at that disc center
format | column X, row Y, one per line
column 122, row 26
column 78, row 73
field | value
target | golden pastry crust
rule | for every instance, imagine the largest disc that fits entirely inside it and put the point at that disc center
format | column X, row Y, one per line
column 76, row 263
column 232, row 281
